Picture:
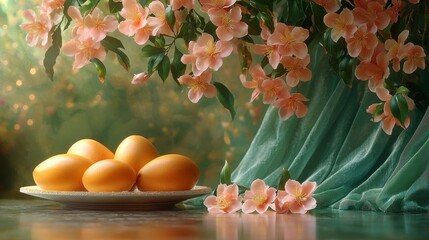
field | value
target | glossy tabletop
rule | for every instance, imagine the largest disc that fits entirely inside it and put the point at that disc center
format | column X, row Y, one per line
column 42, row 219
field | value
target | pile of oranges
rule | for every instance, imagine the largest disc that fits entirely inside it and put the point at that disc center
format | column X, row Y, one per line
column 88, row 165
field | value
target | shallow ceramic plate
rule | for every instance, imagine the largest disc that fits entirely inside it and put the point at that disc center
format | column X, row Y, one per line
column 134, row 200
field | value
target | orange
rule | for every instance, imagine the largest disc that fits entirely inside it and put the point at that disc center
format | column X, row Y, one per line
column 91, row 149
column 136, row 151
column 171, row 172
column 109, row 176
column 61, row 172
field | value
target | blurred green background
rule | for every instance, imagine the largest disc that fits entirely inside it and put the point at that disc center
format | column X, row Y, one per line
column 40, row 118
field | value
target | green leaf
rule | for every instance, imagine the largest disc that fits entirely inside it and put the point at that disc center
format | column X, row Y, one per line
column 52, row 53
column 88, row 6
column 123, row 59
column 267, row 19
column 159, row 41
column 245, row 57
column 294, row 12
column 164, row 68
column 149, row 51
column 402, row 90
column 225, row 174
column 225, row 97
column 399, row 107
column 114, row 45
column 346, row 70
column 111, row 43
column 101, row 69
column 318, row 15
column 114, row 7
column 67, row 4
column 177, row 67
column 169, row 16
column 153, row 62
column 264, row 61
column 283, row 179
column 378, row 111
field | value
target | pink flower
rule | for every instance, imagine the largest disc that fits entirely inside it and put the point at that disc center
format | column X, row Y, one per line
column 259, row 197
column 84, row 51
column 37, row 28
column 389, row 121
column 258, row 76
column 98, row 25
column 376, row 72
column 396, row 49
column 372, row 14
column 190, row 58
column 299, row 197
column 414, row 58
column 135, row 17
column 199, row 86
column 228, row 23
column 362, row 43
column 53, row 8
column 297, row 70
column 159, row 22
column 265, row 31
column 209, row 54
column 271, row 51
column 272, row 88
column 281, row 205
column 206, row 5
column 176, row 4
column 79, row 29
column 414, row 1
column 329, row 5
column 290, row 40
column 290, row 104
column 226, row 201
column 140, row 78
column 342, row 24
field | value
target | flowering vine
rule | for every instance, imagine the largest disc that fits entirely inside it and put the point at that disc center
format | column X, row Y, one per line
column 383, row 42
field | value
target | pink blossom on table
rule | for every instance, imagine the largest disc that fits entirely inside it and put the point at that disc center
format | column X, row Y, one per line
column 135, row 17
column 209, row 54
column 296, row 70
column 290, row 40
column 176, row 4
column 270, row 51
column 342, row 24
column 290, row 104
column 395, row 49
column 372, row 14
column 299, row 196
column 362, row 43
column 37, row 27
column 140, row 78
column 414, row 56
column 229, row 24
column 83, row 51
column 272, row 88
column 206, row 5
column 258, row 77
column 225, row 201
column 329, row 5
column 376, row 72
column 259, row 197
column 99, row 26
column 159, row 21
column 199, row 86
column 281, row 206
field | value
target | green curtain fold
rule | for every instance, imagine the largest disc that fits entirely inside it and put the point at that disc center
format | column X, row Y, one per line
column 356, row 165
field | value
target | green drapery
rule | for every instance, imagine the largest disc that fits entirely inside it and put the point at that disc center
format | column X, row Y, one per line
column 356, row 165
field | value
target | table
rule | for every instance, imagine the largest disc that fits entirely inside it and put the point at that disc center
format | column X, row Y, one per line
column 42, row 219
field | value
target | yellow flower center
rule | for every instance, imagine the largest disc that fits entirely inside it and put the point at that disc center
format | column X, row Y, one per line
column 260, row 198
column 222, row 203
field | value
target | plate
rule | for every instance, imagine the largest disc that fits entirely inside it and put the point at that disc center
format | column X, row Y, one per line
column 134, row 200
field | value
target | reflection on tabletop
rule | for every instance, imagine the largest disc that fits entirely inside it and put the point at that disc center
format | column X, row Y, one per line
column 41, row 219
